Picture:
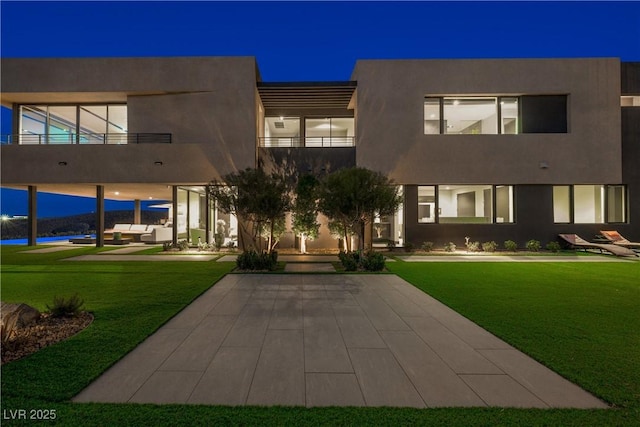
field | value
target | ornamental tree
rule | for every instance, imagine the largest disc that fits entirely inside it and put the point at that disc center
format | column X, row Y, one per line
column 352, row 197
column 259, row 201
column 305, row 210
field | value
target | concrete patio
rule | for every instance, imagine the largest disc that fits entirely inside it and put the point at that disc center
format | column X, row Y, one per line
column 328, row 340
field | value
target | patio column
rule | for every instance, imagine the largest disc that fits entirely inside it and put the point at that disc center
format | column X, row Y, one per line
column 99, row 216
column 174, row 220
column 137, row 217
column 32, row 227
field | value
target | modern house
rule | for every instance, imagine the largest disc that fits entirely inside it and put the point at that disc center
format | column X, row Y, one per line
column 490, row 149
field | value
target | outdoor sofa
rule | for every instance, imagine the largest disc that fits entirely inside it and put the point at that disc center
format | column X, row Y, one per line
column 158, row 234
column 129, row 231
column 579, row 243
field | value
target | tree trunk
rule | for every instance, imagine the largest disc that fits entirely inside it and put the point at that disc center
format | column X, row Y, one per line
column 361, row 237
column 347, row 243
column 271, row 236
column 303, row 244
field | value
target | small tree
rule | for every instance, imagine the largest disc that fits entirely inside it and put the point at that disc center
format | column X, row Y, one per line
column 305, row 210
column 256, row 198
column 353, row 196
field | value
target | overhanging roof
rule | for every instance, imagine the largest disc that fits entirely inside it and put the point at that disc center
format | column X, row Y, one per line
column 306, row 95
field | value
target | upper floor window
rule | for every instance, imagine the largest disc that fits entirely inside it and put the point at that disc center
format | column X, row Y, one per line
column 73, row 124
column 629, row 101
column 308, row 132
column 492, row 115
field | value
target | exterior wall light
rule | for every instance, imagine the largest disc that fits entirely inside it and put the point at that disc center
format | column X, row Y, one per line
column 62, row 163
column 544, row 165
column 158, row 163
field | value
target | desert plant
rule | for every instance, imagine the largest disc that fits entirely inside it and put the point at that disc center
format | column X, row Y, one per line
column 183, row 245
column 63, row 307
column 473, row 246
column 167, row 246
column 533, row 245
column 450, row 247
column 427, row 246
column 553, row 247
column 218, row 240
column 489, row 246
column 510, row 245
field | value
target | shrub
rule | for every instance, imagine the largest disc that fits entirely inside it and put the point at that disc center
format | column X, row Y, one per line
column 353, row 261
column 218, row 241
column 489, row 246
column 65, row 307
column 391, row 244
column 427, row 246
column 553, row 247
column 510, row 245
column 473, row 246
column 450, row 247
column 167, row 246
column 408, row 246
column 252, row 260
column 183, row 245
column 533, row 245
column 349, row 260
column 373, row 261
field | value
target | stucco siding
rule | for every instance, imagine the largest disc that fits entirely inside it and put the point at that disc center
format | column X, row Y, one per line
column 390, row 125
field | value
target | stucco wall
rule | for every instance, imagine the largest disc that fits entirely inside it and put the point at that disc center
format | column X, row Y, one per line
column 207, row 104
column 390, row 130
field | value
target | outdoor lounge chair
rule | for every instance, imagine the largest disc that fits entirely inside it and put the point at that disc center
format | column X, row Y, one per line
column 615, row 238
column 579, row 243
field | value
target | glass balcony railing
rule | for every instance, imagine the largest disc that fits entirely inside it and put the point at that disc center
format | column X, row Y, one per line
column 85, row 139
column 307, row 142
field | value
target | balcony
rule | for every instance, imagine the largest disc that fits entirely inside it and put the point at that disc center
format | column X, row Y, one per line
column 307, row 142
column 86, row 139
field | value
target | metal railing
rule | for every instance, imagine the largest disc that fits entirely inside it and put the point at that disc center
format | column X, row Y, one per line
column 307, row 142
column 86, row 139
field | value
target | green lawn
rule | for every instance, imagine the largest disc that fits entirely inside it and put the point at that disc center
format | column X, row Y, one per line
column 580, row 319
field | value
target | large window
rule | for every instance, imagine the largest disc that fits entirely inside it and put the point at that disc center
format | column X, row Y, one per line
column 316, row 132
column 329, row 132
column 589, row 204
column 491, row 115
column 465, row 204
column 73, row 124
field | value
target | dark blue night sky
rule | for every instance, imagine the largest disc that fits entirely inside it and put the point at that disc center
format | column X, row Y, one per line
column 307, row 41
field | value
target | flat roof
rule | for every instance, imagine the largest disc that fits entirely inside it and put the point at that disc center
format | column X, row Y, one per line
column 306, row 95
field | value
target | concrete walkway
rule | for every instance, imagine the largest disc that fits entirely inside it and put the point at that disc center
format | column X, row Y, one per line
column 323, row 340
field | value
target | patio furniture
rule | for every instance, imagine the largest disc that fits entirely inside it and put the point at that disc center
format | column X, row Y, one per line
column 579, row 243
column 615, row 238
column 158, row 234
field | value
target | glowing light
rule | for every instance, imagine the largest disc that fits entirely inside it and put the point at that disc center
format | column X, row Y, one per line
column 5, row 217
column 117, row 193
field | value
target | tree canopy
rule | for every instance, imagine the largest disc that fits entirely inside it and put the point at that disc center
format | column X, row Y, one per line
column 258, row 199
column 353, row 196
column 305, row 209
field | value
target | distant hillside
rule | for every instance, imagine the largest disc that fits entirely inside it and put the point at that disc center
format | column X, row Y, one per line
column 75, row 224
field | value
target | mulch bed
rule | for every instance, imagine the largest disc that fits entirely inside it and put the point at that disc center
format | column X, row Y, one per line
column 44, row 332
